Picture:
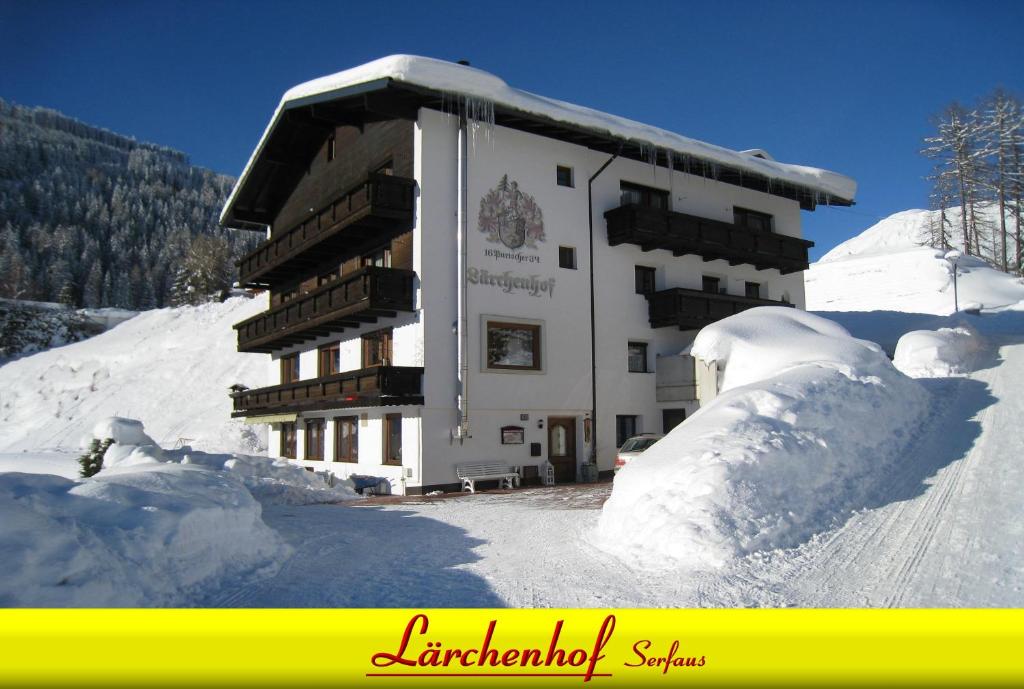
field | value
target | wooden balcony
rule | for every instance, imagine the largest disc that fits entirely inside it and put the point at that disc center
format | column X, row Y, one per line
column 651, row 228
column 691, row 309
column 363, row 296
column 368, row 387
column 379, row 207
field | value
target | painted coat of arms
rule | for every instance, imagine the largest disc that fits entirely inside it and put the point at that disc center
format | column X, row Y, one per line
column 511, row 216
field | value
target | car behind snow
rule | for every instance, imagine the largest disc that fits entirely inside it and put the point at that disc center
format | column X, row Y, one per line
column 634, row 446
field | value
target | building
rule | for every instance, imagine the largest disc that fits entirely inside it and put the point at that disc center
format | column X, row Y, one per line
column 459, row 271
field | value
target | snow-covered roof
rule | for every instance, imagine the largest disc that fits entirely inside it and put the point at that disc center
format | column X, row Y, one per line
column 462, row 80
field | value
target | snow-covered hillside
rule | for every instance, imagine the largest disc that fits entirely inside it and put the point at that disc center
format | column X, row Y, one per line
column 171, row 368
column 887, row 268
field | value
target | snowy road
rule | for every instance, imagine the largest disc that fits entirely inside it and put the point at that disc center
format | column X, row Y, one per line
column 960, row 542
column 946, row 532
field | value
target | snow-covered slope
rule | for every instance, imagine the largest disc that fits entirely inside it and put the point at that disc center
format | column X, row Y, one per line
column 171, row 368
column 886, row 268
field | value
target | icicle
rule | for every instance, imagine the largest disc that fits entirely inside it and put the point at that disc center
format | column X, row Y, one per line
column 479, row 114
column 671, row 176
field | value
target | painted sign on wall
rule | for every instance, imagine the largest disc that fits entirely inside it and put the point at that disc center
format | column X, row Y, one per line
column 510, row 216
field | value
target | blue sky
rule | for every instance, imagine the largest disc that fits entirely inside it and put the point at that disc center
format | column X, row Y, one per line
column 846, row 86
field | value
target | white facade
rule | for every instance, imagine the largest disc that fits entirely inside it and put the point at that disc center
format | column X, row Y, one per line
column 563, row 385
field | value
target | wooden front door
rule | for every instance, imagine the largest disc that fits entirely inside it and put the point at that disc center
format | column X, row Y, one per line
column 562, row 447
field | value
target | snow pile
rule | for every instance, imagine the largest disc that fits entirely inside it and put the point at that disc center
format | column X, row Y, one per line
column 140, row 535
column 886, row 268
column 170, row 366
column 937, row 353
column 271, row 481
column 454, row 80
column 131, row 444
column 276, row 481
column 810, row 422
column 151, row 528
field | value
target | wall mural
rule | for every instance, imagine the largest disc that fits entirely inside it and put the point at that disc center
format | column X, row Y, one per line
column 510, row 216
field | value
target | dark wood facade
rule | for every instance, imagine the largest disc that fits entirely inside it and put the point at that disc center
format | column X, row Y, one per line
column 368, row 387
column 372, row 213
column 364, row 296
column 359, row 153
column 653, row 228
column 690, row 309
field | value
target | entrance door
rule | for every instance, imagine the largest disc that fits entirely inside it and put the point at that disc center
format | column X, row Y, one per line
column 562, row 447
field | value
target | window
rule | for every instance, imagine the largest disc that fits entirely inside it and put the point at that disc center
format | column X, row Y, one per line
column 290, row 368
column 288, row 440
column 563, row 175
column 753, row 290
column 567, row 257
column 380, row 258
column 710, row 284
column 752, row 220
column 670, row 418
column 346, row 439
column 393, row 439
column 377, row 348
column 330, row 148
column 330, row 359
column 637, row 357
column 315, row 439
column 513, row 346
column 644, row 280
column 625, row 428
column 643, row 196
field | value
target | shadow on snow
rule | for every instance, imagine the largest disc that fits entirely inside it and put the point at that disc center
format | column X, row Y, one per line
column 365, row 557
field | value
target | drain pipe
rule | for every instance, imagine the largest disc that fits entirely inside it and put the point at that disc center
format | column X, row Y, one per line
column 461, row 325
column 593, row 318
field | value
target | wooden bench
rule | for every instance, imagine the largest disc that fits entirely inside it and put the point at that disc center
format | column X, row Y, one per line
column 469, row 474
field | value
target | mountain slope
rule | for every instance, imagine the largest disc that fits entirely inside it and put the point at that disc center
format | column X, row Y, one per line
column 171, row 368
column 886, row 268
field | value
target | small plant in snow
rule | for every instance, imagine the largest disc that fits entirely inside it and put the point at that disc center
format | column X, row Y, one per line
column 92, row 461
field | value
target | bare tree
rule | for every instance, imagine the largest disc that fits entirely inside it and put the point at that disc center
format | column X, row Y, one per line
column 958, row 154
column 1000, row 131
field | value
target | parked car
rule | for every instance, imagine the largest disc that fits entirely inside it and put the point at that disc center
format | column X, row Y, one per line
column 634, row 446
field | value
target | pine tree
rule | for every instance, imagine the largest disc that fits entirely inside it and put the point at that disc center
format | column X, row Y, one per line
column 92, row 461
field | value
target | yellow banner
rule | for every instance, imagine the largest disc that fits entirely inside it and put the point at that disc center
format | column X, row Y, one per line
column 510, row 648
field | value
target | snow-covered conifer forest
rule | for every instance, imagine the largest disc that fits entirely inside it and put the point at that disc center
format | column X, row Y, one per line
column 91, row 218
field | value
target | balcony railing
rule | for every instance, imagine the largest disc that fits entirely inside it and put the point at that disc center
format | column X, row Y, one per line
column 380, row 205
column 691, row 309
column 368, row 387
column 359, row 297
column 652, row 228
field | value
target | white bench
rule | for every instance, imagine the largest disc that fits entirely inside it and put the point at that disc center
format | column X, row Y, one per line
column 469, row 474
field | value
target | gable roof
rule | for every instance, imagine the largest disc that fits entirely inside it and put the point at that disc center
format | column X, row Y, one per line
column 399, row 84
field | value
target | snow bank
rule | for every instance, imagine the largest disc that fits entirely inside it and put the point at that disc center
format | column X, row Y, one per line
column 141, row 535
column 276, row 481
column 938, row 353
column 809, row 423
column 149, row 528
column 171, row 367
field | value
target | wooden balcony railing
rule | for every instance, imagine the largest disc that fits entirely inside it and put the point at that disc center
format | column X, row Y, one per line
column 360, row 297
column 691, row 309
column 652, row 228
column 379, row 205
column 368, row 387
